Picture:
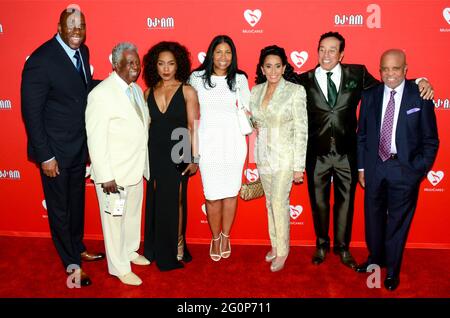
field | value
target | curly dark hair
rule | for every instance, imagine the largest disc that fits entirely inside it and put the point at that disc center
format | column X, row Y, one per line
column 208, row 63
column 182, row 57
column 289, row 74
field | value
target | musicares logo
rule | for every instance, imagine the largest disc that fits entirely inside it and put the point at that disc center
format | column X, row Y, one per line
column 252, row 17
column 295, row 211
column 201, row 57
column 435, row 177
column 446, row 14
column 251, row 174
column 299, row 58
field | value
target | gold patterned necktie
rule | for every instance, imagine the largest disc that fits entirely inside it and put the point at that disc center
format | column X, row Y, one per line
column 134, row 102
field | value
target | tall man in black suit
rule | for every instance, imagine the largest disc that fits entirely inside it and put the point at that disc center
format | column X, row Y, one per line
column 56, row 80
column 397, row 145
column 333, row 93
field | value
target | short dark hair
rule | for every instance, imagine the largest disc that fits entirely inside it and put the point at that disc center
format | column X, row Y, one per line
column 182, row 58
column 336, row 35
column 208, row 63
column 278, row 51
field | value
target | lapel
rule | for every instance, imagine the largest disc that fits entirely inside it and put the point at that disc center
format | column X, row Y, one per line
column 345, row 73
column 124, row 102
column 402, row 111
column 378, row 102
column 67, row 65
column 271, row 106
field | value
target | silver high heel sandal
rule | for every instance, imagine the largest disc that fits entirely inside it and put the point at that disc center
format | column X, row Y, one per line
column 225, row 254
column 214, row 257
column 271, row 255
column 180, row 248
column 278, row 263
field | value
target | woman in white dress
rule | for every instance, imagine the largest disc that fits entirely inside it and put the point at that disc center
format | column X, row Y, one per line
column 222, row 147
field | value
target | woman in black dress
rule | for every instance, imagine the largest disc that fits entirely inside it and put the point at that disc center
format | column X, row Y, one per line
column 173, row 108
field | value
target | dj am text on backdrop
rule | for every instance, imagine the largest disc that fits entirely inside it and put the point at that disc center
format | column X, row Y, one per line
column 420, row 27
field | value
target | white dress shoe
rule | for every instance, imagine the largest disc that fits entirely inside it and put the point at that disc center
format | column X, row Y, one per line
column 140, row 260
column 130, row 279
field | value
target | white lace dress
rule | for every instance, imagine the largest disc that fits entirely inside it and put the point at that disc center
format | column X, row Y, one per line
column 222, row 147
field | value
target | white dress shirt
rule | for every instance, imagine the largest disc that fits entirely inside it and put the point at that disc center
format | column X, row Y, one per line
column 321, row 77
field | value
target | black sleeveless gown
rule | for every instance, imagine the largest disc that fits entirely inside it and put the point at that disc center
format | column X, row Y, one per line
column 163, row 188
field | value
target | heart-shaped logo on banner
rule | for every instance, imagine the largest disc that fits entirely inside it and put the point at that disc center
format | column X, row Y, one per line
column 446, row 14
column 252, row 17
column 299, row 58
column 201, row 57
column 44, row 204
column 435, row 177
column 204, row 208
column 296, row 210
column 251, row 174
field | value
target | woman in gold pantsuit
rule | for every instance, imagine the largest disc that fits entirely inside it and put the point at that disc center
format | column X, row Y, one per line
column 279, row 113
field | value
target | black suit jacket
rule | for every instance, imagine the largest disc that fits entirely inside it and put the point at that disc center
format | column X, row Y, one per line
column 54, row 100
column 340, row 121
column 416, row 136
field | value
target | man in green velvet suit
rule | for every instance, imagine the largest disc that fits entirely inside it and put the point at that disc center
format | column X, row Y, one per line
column 333, row 93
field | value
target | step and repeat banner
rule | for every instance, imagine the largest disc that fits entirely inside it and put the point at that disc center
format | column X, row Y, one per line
column 420, row 28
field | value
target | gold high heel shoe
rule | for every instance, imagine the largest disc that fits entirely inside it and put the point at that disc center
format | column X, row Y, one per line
column 180, row 248
column 214, row 257
column 271, row 255
column 278, row 263
column 225, row 254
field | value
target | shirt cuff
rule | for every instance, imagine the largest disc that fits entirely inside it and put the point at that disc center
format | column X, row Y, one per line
column 419, row 79
column 48, row 160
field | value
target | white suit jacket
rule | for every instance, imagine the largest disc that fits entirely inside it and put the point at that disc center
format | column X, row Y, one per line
column 117, row 137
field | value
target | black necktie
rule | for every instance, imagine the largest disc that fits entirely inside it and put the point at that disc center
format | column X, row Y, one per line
column 331, row 90
column 79, row 66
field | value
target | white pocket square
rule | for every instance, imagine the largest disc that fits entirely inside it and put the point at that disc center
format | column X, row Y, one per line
column 412, row 110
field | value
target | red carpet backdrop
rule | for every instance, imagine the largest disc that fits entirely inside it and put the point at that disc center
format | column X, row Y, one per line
column 420, row 27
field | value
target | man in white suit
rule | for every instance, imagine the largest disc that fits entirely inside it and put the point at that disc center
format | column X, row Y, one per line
column 117, row 124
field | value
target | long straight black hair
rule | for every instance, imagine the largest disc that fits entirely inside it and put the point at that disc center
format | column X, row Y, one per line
column 208, row 63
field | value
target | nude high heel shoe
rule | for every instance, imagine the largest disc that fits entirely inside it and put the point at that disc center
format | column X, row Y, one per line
column 225, row 254
column 271, row 255
column 278, row 263
column 214, row 257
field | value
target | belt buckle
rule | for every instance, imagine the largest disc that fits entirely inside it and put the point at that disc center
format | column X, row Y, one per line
column 393, row 156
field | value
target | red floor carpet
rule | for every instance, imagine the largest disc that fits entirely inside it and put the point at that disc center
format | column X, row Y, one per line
column 29, row 267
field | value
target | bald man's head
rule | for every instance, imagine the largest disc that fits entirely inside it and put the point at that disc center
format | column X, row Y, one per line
column 72, row 27
column 393, row 67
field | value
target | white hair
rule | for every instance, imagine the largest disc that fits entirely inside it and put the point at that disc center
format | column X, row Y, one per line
column 117, row 52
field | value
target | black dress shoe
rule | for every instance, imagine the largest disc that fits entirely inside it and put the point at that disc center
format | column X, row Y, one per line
column 347, row 259
column 91, row 257
column 319, row 255
column 391, row 283
column 362, row 268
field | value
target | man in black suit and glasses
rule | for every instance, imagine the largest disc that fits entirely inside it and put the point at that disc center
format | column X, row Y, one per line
column 56, row 80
